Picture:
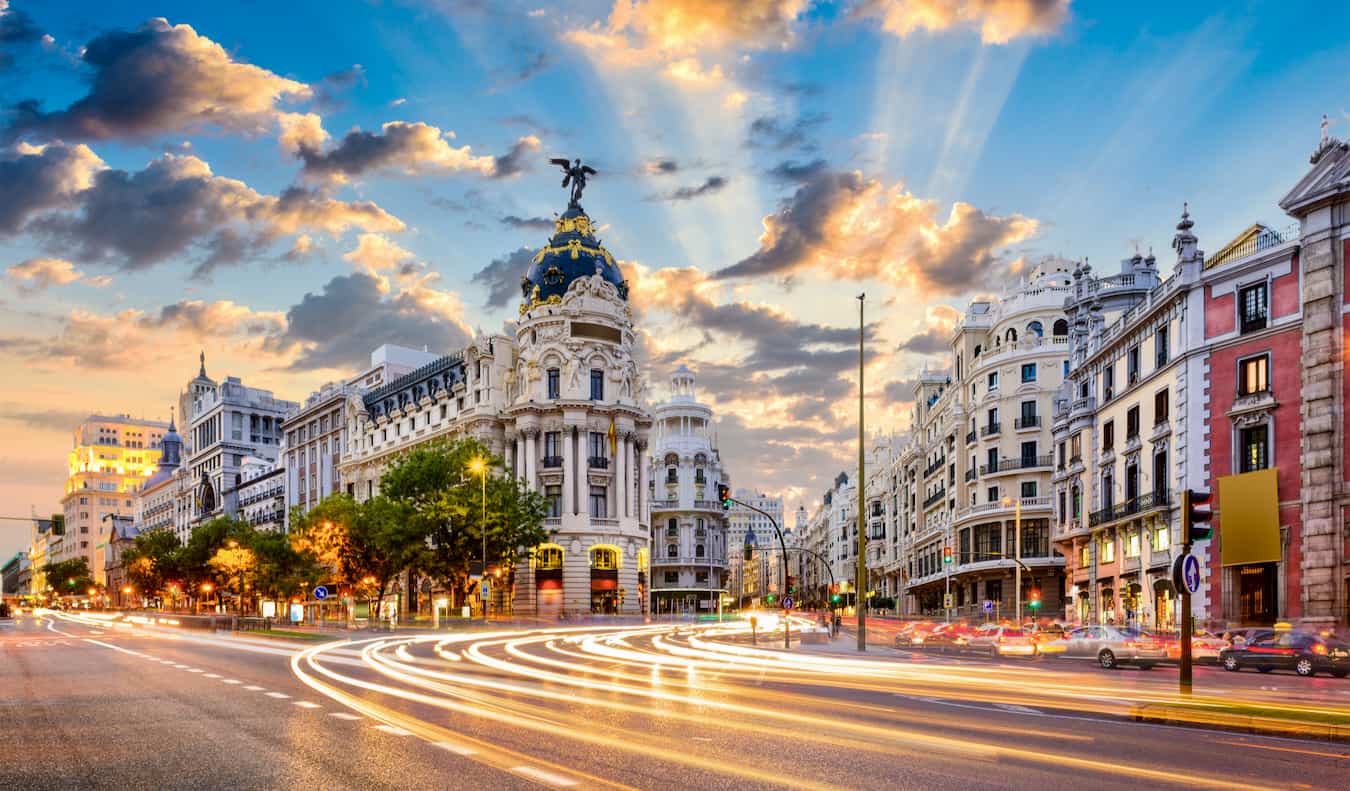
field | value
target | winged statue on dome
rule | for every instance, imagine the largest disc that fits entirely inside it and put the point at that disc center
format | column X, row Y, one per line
column 575, row 174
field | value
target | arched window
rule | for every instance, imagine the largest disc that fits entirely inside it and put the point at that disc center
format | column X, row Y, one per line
column 1061, row 327
column 672, row 527
column 1010, row 336
column 698, row 550
column 1035, row 328
column 548, row 557
column 672, row 551
column 604, row 558
column 958, row 366
column 977, row 350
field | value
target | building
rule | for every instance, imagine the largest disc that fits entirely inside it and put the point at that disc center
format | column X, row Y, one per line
column 15, row 576
column 559, row 397
column 689, row 529
column 228, row 422
column 160, row 499
column 260, row 496
column 762, row 573
column 316, row 433
column 112, row 458
column 830, row 564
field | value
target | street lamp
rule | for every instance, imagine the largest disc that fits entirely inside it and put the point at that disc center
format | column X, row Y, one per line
column 1017, row 553
column 207, row 588
column 479, row 466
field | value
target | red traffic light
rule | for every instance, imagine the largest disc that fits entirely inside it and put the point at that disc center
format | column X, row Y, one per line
column 1196, row 514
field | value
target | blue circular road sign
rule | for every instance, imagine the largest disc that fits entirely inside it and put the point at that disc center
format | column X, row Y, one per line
column 321, row 592
column 1190, row 573
column 787, row 602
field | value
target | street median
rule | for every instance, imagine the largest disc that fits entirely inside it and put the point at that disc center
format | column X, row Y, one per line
column 1304, row 722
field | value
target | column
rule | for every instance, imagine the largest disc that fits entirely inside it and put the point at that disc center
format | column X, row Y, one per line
column 569, row 475
column 621, row 479
column 642, row 483
column 531, row 459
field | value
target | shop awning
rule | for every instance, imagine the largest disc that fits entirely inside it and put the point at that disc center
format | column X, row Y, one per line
column 1249, row 520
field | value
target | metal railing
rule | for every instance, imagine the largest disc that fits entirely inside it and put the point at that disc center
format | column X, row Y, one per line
column 935, row 466
column 598, row 462
column 992, row 428
column 1029, row 421
column 935, row 497
column 553, row 461
column 1023, row 463
column 970, row 438
column 1131, row 507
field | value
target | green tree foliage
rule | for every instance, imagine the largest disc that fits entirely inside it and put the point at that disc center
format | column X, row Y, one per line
column 153, row 560
column 69, row 577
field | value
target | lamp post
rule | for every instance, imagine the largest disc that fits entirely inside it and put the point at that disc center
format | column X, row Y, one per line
column 859, row 596
column 478, row 466
column 1017, row 553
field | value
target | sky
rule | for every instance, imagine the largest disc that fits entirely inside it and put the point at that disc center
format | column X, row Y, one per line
column 287, row 186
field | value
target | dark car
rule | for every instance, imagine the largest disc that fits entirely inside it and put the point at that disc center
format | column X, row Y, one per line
column 949, row 638
column 1246, row 635
column 1304, row 653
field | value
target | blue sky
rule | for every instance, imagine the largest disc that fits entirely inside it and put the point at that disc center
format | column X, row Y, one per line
column 908, row 148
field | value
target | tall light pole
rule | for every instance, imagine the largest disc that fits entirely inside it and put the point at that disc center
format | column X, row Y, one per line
column 478, row 466
column 860, row 590
column 1017, row 554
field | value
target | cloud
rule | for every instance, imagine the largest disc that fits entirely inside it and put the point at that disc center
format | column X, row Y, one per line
column 301, row 131
column 660, row 167
column 527, row 64
column 848, row 227
column 301, row 248
column 137, row 219
column 709, row 186
column 331, row 92
column 936, row 339
column 640, row 31
column 797, row 172
column 531, row 223
column 774, row 133
column 900, row 391
column 17, row 30
column 376, row 253
column 34, row 179
column 51, row 419
column 213, row 319
column 39, row 274
column 162, row 78
column 338, row 327
column 998, row 21
column 411, row 149
column 502, row 276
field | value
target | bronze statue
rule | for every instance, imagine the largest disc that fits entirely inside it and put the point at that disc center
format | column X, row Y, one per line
column 575, row 175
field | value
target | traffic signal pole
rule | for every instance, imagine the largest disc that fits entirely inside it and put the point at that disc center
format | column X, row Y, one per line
column 1190, row 500
column 727, row 500
column 860, row 591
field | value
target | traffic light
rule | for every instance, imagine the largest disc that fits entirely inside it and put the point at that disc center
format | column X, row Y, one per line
column 792, row 584
column 1195, row 515
column 769, row 598
column 835, row 598
column 1035, row 600
column 947, row 553
column 724, row 494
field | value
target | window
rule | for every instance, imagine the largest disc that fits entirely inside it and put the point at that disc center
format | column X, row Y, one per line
column 992, row 494
column 1076, row 448
column 1077, row 502
column 992, row 426
column 554, row 383
column 1063, row 512
column 672, row 550
column 1132, row 364
column 1108, row 436
column 1160, row 475
column 1160, row 347
column 1160, row 407
column 554, row 496
column 1108, row 382
column 699, row 551
column 1066, row 368
column 1252, row 308
column 552, row 444
column 598, row 502
column 1132, row 544
column 672, row 527
column 1132, row 423
column 993, row 380
column 1084, row 556
column 548, row 558
column 991, row 457
column 1108, row 549
column 1028, row 489
column 672, row 577
column 1254, row 446
column 597, row 384
column 1254, row 375
column 1028, row 372
column 1035, row 329
column 604, row 559
column 1160, row 538
column 1028, row 413
column 597, row 446
column 1029, row 453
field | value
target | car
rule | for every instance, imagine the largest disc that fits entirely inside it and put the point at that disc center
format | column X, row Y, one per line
column 915, row 634
column 996, row 640
column 1305, row 653
column 1049, row 639
column 1113, row 646
column 1246, row 635
column 949, row 638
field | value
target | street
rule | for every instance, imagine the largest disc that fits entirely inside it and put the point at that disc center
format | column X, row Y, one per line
column 88, row 704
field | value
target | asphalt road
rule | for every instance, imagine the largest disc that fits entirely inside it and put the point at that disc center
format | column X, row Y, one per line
column 89, row 705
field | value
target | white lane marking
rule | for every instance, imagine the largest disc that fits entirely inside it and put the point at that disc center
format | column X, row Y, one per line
column 457, row 749
column 195, row 670
column 95, row 631
column 1017, row 708
column 702, row 738
column 211, row 675
column 304, row 704
column 393, row 730
column 231, row 681
column 278, row 695
column 544, row 776
column 342, row 715
column 252, row 688
column 180, row 667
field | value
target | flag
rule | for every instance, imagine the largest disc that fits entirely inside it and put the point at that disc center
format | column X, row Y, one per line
column 613, row 438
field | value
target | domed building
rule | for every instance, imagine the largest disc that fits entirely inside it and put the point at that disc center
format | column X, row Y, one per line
column 560, row 399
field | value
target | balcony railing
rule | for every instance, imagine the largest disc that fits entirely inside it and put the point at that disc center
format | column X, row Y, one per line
column 553, row 461
column 1136, row 505
column 970, row 474
column 598, row 462
column 970, row 438
column 1023, row 463
column 992, row 428
column 935, row 497
column 1027, row 421
column 935, row 466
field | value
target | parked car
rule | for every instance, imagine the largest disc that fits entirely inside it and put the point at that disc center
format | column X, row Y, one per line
column 1305, row 653
column 996, row 640
column 1112, row 646
column 1246, row 635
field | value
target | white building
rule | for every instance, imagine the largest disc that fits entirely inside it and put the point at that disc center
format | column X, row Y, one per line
column 689, row 533
column 762, row 574
column 260, row 496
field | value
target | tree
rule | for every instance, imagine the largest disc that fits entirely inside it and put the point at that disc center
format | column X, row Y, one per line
column 153, row 559
column 280, row 567
column 69, row 577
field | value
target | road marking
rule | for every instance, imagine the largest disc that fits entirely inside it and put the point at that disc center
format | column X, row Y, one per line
column 702, row 738
column 1343, row 756
column 231, row 681
column 211, row 675
column 1017, row 708
column 253, row 689
column 342, row 715
column 393, row 730
column 457, row 749
column 180, row 667
column 278, row 695
column 304, row 704
column 544, row 776
column 195, row 670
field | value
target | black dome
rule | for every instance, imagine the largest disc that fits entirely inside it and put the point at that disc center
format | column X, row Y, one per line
column 572, row 253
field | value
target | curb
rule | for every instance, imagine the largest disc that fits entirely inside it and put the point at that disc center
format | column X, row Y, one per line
column 1245, row 723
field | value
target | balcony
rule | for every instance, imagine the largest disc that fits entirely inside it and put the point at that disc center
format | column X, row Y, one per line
column 1152, row 501
column 935, row 466
column 970, row 475
column 970, row 438
column 1023, row 463
column 991, row 429
column 598, row 462
column 551, row 462
column 1028, row 504
column 1082, row 407
column 935, row 497
column 1028, row 421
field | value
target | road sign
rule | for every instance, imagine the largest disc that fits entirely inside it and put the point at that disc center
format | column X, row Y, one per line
column 787, row 602
column 948, row 600
column 487, row 588
column 988, row 605
column 1190, row 573
column 321, row 592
